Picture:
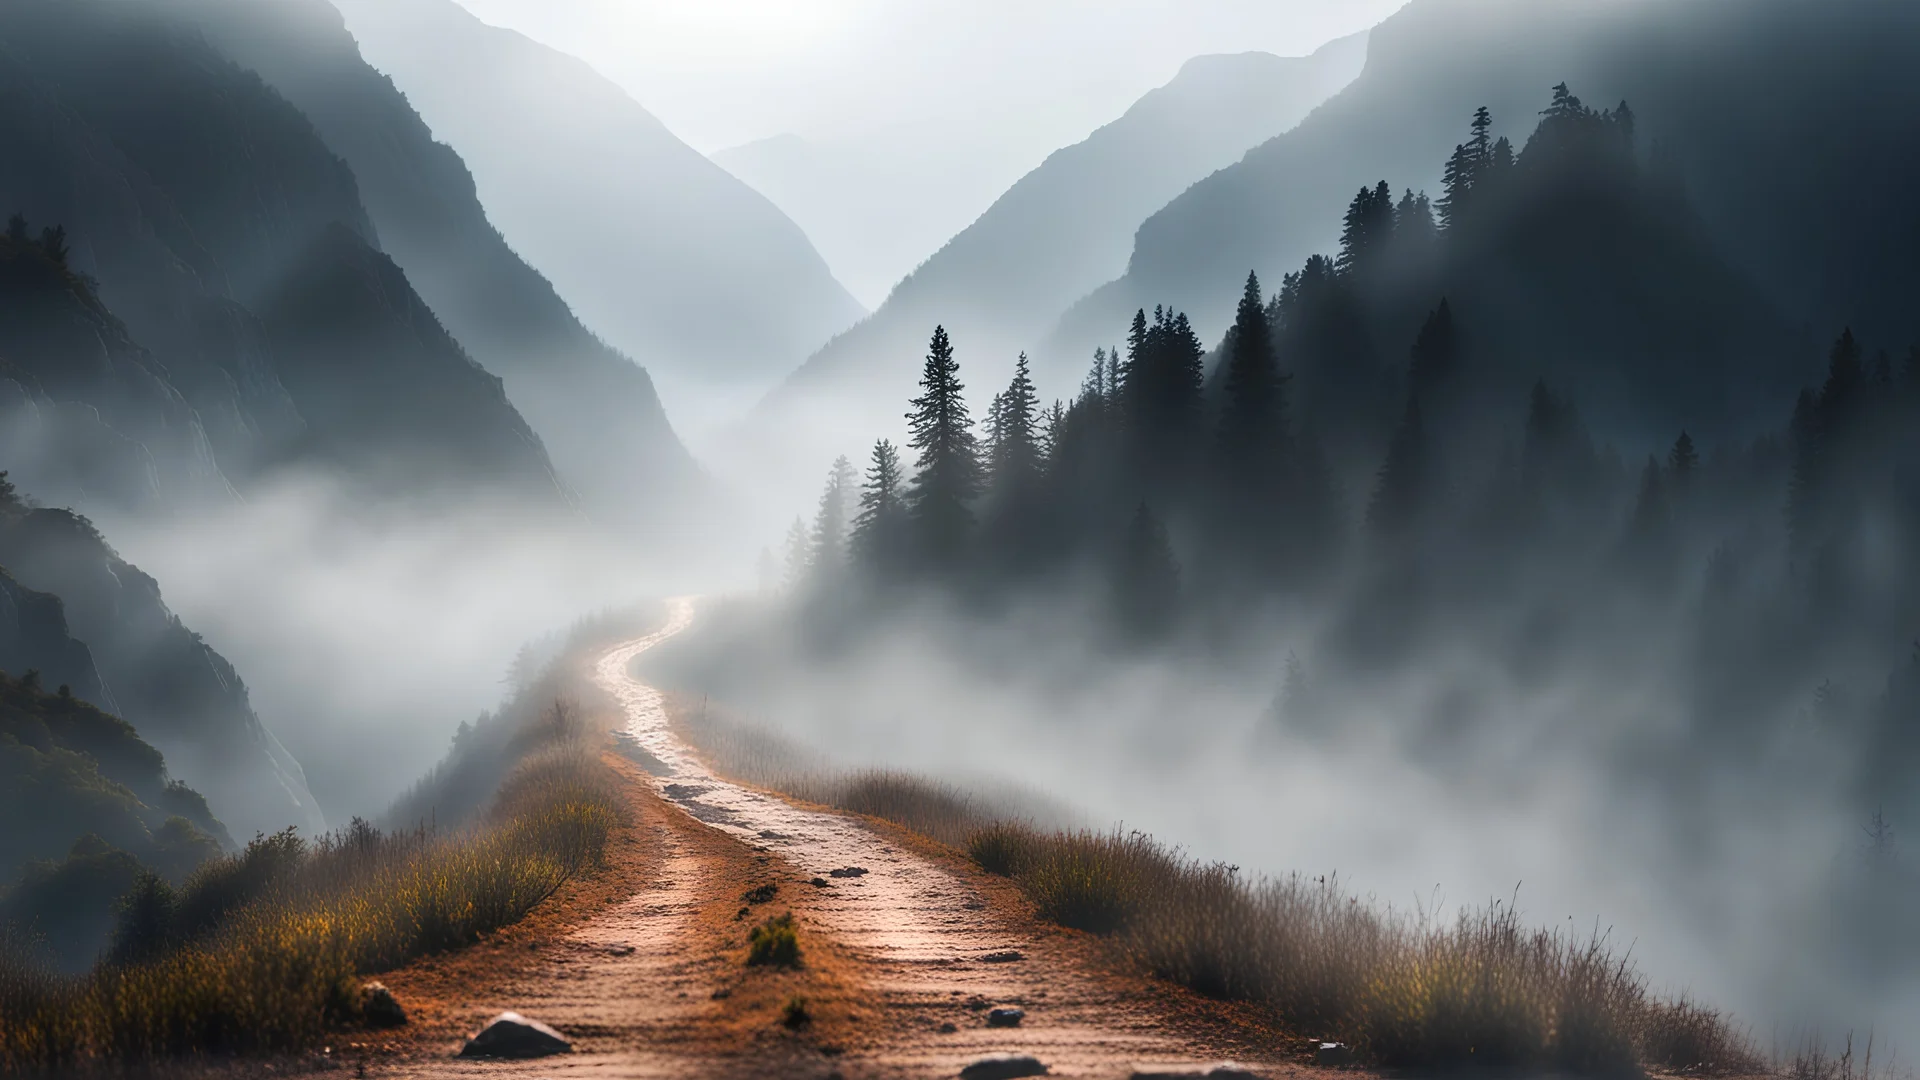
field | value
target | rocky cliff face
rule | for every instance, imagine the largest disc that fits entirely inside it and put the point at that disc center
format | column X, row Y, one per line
column 179, row 694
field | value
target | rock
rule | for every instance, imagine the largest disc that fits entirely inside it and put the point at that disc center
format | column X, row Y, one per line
column 379, row 1007
column 511, row 1035
column 1004, row 956
column 819, row 883
column 1224, row 1070
column 621, row 950
column 848, row 872
column 1333, row 1054
column 1003, row 1067
column 949, row 1027
column 1006, row 1017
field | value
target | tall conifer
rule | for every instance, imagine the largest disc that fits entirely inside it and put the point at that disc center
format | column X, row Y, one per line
column 947, row 476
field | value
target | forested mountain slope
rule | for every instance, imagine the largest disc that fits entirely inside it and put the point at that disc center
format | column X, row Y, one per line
column 1732, row 100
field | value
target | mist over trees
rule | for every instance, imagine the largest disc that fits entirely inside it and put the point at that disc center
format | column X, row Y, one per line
column 1351, row 449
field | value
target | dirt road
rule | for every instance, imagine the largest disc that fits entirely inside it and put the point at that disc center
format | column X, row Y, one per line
column 906, row 949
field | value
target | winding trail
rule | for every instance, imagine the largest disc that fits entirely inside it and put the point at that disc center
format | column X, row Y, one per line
column 904, row 956
column 934, row 951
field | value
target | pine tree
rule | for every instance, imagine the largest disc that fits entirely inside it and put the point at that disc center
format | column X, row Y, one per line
column 1014, row 464
column 17, row 229
column 1683, row 461
column 1401, row 492
column 947, row 476
column 1456, row 185
column 1367, row 230
column 799, row 554
column 1146, row 580
column 9, row 495
column 878, row 531
column 1480, row 145
column 1253, row 426
column 1414, row 231
column 828, row 557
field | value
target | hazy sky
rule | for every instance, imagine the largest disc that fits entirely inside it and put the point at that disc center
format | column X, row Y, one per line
column 725, row 72
column 919, row 112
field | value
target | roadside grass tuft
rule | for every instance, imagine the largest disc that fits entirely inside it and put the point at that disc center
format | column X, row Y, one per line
column 774, row 943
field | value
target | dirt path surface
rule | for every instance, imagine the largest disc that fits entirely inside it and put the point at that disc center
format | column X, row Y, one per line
column 906, row 950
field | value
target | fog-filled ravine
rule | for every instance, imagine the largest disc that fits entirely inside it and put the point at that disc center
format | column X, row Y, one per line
column 1471, row 463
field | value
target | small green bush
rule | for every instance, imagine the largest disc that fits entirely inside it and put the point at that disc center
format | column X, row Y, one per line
column 774, row 943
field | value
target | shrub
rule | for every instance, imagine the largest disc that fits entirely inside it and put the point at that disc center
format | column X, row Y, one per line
column 1002, row 848
column 774, row 943
column 795, row 1014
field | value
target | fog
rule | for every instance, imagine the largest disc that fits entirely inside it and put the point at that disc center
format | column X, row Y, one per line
column 1728, row 886
column 367, row 633
column 1542, row 537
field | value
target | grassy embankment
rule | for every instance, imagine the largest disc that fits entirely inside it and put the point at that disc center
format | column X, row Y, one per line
column 1482, row 990
column 263, row 952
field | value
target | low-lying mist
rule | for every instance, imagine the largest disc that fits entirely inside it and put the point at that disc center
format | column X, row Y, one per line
column 1432, row 786
column 368, row 632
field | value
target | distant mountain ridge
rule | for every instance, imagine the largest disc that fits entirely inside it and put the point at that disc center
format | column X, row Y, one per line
column 658, row 249
column 1730, row 96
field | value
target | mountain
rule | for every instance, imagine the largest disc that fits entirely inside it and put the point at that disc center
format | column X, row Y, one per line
column 386, row 388
column 665, row 253
column 88, row 804
column 1066, row 226
column 1755, row 107
column 187, row 196
column 141, row 663
column 595, row 410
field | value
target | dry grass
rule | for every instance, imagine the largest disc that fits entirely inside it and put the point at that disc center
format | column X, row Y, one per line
column 1405, row 988
column 262, row 951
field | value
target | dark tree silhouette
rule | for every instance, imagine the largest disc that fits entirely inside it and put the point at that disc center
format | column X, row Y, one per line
column 829, row 555
column 947, row 477
column 1368, row 230
column 1252, row 441
column 879, row 531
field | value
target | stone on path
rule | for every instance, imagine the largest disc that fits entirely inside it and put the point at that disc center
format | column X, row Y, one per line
column 379, row 1008
column 1333, row 1054
column 1006, row 1017
column 1003, row 1067
column 511, row 1035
